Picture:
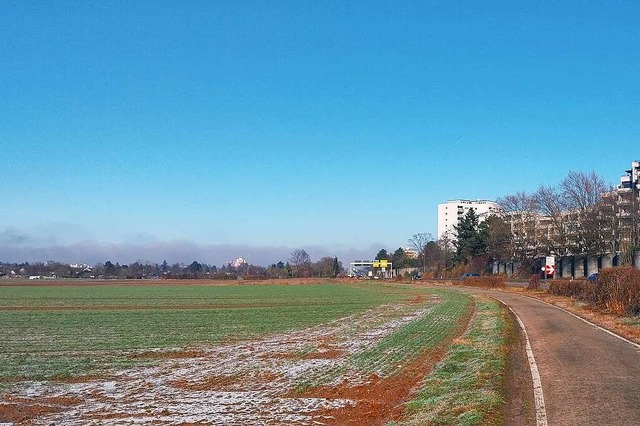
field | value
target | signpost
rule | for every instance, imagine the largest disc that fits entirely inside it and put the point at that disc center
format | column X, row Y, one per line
column 549, row 267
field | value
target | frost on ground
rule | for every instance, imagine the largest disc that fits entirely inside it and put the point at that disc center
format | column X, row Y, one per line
column 244, row 383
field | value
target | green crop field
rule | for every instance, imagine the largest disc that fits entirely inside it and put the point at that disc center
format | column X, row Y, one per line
column 53, row 331
column 358, row 349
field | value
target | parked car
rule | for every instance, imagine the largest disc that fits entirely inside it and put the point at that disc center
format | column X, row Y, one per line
column 593, row 277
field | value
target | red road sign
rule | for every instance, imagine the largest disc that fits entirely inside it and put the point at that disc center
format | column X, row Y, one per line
column 549, row 269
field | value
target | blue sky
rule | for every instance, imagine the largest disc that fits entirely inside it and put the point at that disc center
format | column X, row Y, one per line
column 248, row 126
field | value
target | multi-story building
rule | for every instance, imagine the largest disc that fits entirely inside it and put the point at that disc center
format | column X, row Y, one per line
column 607, row 233
column 451, row 212
column 627, row 198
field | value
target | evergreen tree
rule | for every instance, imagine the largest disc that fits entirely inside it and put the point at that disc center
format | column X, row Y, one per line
column 399, row 258
column 382, row 255
column 336, row 266
column 471, row 241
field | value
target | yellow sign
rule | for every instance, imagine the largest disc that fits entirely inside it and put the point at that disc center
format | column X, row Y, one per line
column 383, row 263
column 376, row 264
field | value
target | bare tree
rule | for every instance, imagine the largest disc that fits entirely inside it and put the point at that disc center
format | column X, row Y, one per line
column 299, row 257
column 301, row 262
column 551, row 203
column 436, row 258
column 582, row 190
column 327, row 267
column 419, row 242
column 584, row 195
column 498, row 236
column 520, row 211
column 447, row 248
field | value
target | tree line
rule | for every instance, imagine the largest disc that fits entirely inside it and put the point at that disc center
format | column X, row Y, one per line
column 581, row 215
column 298, row 265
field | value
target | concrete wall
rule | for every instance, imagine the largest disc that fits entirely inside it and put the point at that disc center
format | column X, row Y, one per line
column 566, row 265
column 578, row 267
column 592, row 265
column 573, row 266
column 509, row 268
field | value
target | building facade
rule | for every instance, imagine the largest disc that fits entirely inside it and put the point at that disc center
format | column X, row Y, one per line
column 602, row 235
column 451, row 212
column 627, row 195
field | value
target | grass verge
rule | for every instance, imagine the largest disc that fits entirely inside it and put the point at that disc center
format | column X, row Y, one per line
column 466, row 388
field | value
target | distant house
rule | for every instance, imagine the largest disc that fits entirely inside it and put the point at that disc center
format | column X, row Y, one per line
column 238, row 262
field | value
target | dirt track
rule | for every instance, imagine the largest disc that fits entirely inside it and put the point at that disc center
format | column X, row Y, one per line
column 589, row 377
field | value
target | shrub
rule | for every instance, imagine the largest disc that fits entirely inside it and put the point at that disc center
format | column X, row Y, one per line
column 455, row 271
column 534, row 282
column 580, row 289
column 489, row 281
column 617, row 290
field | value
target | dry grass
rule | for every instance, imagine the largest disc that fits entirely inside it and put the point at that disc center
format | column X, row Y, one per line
column 486, row 282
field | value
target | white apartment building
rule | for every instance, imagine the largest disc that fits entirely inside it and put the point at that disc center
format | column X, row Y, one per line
column 451, row 212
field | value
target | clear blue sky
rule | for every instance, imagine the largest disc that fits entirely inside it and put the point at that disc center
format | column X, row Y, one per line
column 299, row 123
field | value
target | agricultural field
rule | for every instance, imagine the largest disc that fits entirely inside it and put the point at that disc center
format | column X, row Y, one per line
column 241, row 354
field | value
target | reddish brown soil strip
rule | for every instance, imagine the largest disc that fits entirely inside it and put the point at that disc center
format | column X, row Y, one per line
column 417, row 299
column 382, row 399
column 22, row 412
column 210, row 383
column 379, row 401
column 327, row 354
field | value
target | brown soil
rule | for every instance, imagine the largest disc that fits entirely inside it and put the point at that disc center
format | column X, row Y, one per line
column 210, row 383
column 327, row 354
column 381, row 400
column 417, row 299
column 18, row 413
column 21, row 410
